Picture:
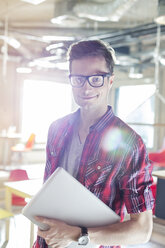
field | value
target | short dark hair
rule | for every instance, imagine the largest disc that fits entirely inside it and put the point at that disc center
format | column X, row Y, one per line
column 91, row 48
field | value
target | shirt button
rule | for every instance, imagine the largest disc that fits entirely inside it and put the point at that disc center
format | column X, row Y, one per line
column 98, row 167
column 52, row 153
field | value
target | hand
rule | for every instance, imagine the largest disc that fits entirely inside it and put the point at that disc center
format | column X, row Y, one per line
column 60, row 234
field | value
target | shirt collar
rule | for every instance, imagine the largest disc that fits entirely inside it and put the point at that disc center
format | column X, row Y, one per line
column 104, row 120
column 100, row 124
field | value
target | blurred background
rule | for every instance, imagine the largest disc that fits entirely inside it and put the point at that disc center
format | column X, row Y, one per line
column 34, row 38
column 34, row 86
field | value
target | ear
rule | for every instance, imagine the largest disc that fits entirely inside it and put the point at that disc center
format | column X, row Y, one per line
column 111, row 79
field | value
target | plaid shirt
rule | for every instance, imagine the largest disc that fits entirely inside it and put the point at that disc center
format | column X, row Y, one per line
column 114, row 164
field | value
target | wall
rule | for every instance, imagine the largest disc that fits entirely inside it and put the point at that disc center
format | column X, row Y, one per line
column 9, row 96
column 9, row 107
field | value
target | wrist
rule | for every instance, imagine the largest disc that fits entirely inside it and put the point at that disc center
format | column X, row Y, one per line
column 77, row 233
column 83, row 238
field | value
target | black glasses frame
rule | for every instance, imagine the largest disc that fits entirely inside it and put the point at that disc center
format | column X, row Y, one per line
column 87, row 78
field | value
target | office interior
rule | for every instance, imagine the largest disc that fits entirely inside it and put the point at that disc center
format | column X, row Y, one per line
column 35, row 90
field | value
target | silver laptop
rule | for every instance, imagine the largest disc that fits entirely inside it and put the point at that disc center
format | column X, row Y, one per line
column 62, row 197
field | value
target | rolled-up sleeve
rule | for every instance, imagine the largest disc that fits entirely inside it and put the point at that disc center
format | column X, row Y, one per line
column 136, row 181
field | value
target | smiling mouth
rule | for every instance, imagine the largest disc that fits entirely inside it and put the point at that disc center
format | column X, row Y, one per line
column 88, row 97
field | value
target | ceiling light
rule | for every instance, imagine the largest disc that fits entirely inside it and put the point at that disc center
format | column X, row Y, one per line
column 135, row 73
column 23, row 70
column 63, row 66
column 11, row 41
column 35, row 2
column 54, row 46
column 162, row 60
column 125, row 60
column 14, row 43
column 42, row 63
column 160, row 19
column 57, row 38
column 68, row 19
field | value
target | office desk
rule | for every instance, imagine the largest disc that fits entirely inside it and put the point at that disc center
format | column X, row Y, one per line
column 159, row 174
column 25, row 189
column 160, row 194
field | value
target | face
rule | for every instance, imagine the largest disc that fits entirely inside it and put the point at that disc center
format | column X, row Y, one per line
column 88, row 97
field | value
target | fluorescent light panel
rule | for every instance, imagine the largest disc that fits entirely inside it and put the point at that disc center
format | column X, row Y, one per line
column 35, row 2
column 57, row 38
column 11, row 41
column 23, row 70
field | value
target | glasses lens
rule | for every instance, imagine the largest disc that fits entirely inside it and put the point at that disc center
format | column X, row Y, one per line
column 96, row 81
column 77, row 81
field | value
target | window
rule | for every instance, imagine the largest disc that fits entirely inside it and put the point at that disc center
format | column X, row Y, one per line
column 135, row 105
column 43, row 102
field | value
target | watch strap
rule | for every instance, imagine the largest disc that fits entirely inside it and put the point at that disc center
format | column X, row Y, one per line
column 84, row 231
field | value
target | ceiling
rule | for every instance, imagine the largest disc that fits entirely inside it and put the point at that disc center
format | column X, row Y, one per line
column 28, row 37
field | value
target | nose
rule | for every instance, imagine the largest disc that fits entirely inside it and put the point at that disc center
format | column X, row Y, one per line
column 86, row 88
column 86, row 85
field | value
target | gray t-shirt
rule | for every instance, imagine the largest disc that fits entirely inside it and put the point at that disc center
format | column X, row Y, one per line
column 71, row 159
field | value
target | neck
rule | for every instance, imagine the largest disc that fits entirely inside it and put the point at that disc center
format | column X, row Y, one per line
column 90, row 117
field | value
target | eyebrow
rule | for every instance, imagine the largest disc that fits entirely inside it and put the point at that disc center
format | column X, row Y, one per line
column 95, row 73
column 101, row 72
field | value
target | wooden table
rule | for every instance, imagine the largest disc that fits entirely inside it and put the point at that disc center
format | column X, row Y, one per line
column 159, row 174
column 25, row 189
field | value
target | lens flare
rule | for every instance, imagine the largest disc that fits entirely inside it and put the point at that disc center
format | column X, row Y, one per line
column 112, row 139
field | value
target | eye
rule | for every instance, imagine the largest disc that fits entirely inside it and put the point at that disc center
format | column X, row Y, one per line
column 96, row 79
column 77, row 80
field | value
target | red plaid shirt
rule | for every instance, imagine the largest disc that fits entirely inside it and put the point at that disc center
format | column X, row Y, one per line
column 114, row 164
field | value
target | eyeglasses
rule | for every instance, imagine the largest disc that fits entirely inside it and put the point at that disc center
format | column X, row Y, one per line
column 78, row 81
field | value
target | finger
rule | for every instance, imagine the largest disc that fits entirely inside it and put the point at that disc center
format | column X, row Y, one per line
column 50, row 222
column 41, row 233
column 53, row 243
column 58, row 244
column 40, row 218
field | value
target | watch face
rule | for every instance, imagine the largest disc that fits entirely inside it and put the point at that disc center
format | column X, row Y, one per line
column 83, row 240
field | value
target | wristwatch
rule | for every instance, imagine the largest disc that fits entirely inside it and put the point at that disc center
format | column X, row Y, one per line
column 84, row 238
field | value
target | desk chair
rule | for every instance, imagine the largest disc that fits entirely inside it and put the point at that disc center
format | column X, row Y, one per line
column 17, row 202
column 4, row 214
column 18, row 175
column 158, row 158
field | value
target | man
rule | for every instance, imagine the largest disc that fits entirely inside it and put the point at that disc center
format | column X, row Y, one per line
column 102, row 152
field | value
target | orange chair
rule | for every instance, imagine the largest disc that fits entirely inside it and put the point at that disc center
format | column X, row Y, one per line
column 18, row 149
column 25, row 147
column 18, row 175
